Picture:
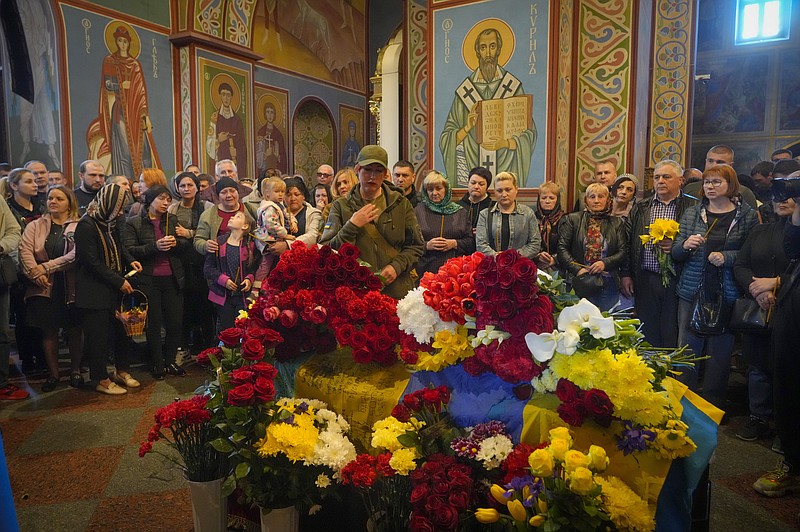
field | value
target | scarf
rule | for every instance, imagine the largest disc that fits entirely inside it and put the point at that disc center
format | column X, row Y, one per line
column 548, row 220
column 104, row 210
column 443, row 207
column 594, row 238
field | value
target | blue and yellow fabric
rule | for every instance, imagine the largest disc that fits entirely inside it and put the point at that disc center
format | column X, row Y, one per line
column 364, row 394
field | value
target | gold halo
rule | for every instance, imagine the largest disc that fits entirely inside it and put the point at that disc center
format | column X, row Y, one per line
column 218, row 80
column 111, row 43
column 263, row 100
column 468, row 46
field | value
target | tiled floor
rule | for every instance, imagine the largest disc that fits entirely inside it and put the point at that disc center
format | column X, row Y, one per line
column 74, row 465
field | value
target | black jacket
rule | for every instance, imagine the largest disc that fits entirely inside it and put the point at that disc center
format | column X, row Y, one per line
column 474, row 209
column 96, row 285
column 572, row 231
column 140, row 240
column 636, row 225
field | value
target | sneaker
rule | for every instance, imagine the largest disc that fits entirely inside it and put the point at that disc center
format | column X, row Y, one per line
column 776, row 445
column 778, row 482
column 183, row 356
column 123, row 378
column 176, row 370
column 10, row 392
column 754, row 429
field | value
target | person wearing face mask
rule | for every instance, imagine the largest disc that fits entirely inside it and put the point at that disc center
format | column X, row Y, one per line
column 623, row 194
column 508, row 224
column 477, row 197
column 445, row 225
column 549, row 213
column 593, row 242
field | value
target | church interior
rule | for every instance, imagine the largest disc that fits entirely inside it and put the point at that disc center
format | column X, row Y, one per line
column 295, row 84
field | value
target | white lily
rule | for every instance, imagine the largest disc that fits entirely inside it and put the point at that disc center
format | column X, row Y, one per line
column 578, row 315
column 567, row 341
column 601, row 328
column 489, row 335
column 542, row 346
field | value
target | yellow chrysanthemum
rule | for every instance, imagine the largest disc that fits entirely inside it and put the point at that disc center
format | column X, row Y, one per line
column 402, row 460
column 295, row 439
column 386, row 431
column 627, row 510
column 672, row 442
column 451, row 347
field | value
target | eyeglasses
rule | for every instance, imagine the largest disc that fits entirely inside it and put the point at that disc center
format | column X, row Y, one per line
column 713, row 182
column 323, row 174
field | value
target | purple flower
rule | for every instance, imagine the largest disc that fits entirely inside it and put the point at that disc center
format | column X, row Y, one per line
column 518, row 484
column 465, row 447
column 488, row 429
column 634, row 438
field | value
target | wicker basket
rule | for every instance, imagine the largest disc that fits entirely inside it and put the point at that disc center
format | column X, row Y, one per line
column 133, row 316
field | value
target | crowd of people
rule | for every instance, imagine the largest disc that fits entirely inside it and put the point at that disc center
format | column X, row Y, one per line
column 198, row 247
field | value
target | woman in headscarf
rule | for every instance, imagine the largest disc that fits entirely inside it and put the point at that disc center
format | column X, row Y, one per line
column 623, row 194
column 103, row 263
column 445, row 225
column 549, row 213
column 592, row 242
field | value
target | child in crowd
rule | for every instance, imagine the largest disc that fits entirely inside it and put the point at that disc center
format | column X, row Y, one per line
column 274, row 224
column 230, row 271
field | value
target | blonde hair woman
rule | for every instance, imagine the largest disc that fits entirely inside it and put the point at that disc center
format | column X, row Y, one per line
column 508, row 224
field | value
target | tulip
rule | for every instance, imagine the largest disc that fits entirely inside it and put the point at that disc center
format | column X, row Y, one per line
column 542, row 505
column 487, row 515
column 537, row 520
column 500, row 494
column 517, row 510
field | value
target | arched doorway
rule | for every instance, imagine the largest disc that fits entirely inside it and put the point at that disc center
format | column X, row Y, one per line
column 313, row 138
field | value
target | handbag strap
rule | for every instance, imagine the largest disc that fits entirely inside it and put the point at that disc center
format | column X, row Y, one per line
column 380, row 241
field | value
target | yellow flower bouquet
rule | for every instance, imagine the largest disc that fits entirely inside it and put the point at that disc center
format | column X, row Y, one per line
column 662, row 229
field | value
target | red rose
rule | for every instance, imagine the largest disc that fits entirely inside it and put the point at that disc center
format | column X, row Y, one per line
column 252, row 349
column 344, row 334
column 358, row 340
column 431, row 396
column 505, row 279
column 231, row 337
column 362, row 355
column 598, row 404
column 507, row 258
column 505, row 308
column 525, row 269
column 241, row 375
column 401, row 413
column 348, row 250
column 459, row 499
column 567, row 391
column 445, row 518
column 288, row 318
column 419, row 493
column 264, row 370
column 373, row 283
column 271, row 313
column 523, row 290
column 203, row 357
column 318, row 315
column 489, row 278
column 328, row 280
column 572, row 413
column 350, row 265
column 241, row 395
column 523, row 392
column 264, row 389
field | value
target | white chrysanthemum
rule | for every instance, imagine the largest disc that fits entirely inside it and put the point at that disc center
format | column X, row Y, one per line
column 332, row 421
column 494, row 450
column 546, row 382
column 418, row 319
column 323, row 481
column 334, row 450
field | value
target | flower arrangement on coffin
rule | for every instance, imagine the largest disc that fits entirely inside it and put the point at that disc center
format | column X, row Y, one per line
column 476, row 310
column 599, row 369
column 316, row 298
column 186, row 427
column 662, row 229
column 560, row 488
column 283, row 452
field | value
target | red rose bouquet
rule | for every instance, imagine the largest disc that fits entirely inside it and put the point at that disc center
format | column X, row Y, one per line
column 440, row 494
column 316, row 298
column 476, row 310
column 186, row 427
column 385, row 492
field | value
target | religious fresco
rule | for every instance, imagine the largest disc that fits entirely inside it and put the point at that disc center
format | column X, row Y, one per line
column 272, row 129
column 323, row 39
column 789, row 98
column 36, row 116
column 733, row 100
column 351, row 125
column 313, row 140
column 119, row 93
column 121, row 135
column 225, row 116
column 491, row 98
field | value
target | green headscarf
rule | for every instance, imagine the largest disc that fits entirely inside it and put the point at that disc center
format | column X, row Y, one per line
column 443, row 207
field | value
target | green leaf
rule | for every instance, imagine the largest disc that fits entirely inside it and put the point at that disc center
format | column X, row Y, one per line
column 242, row 470
column 228, row 486
column 409, row 439
column 222, row 445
